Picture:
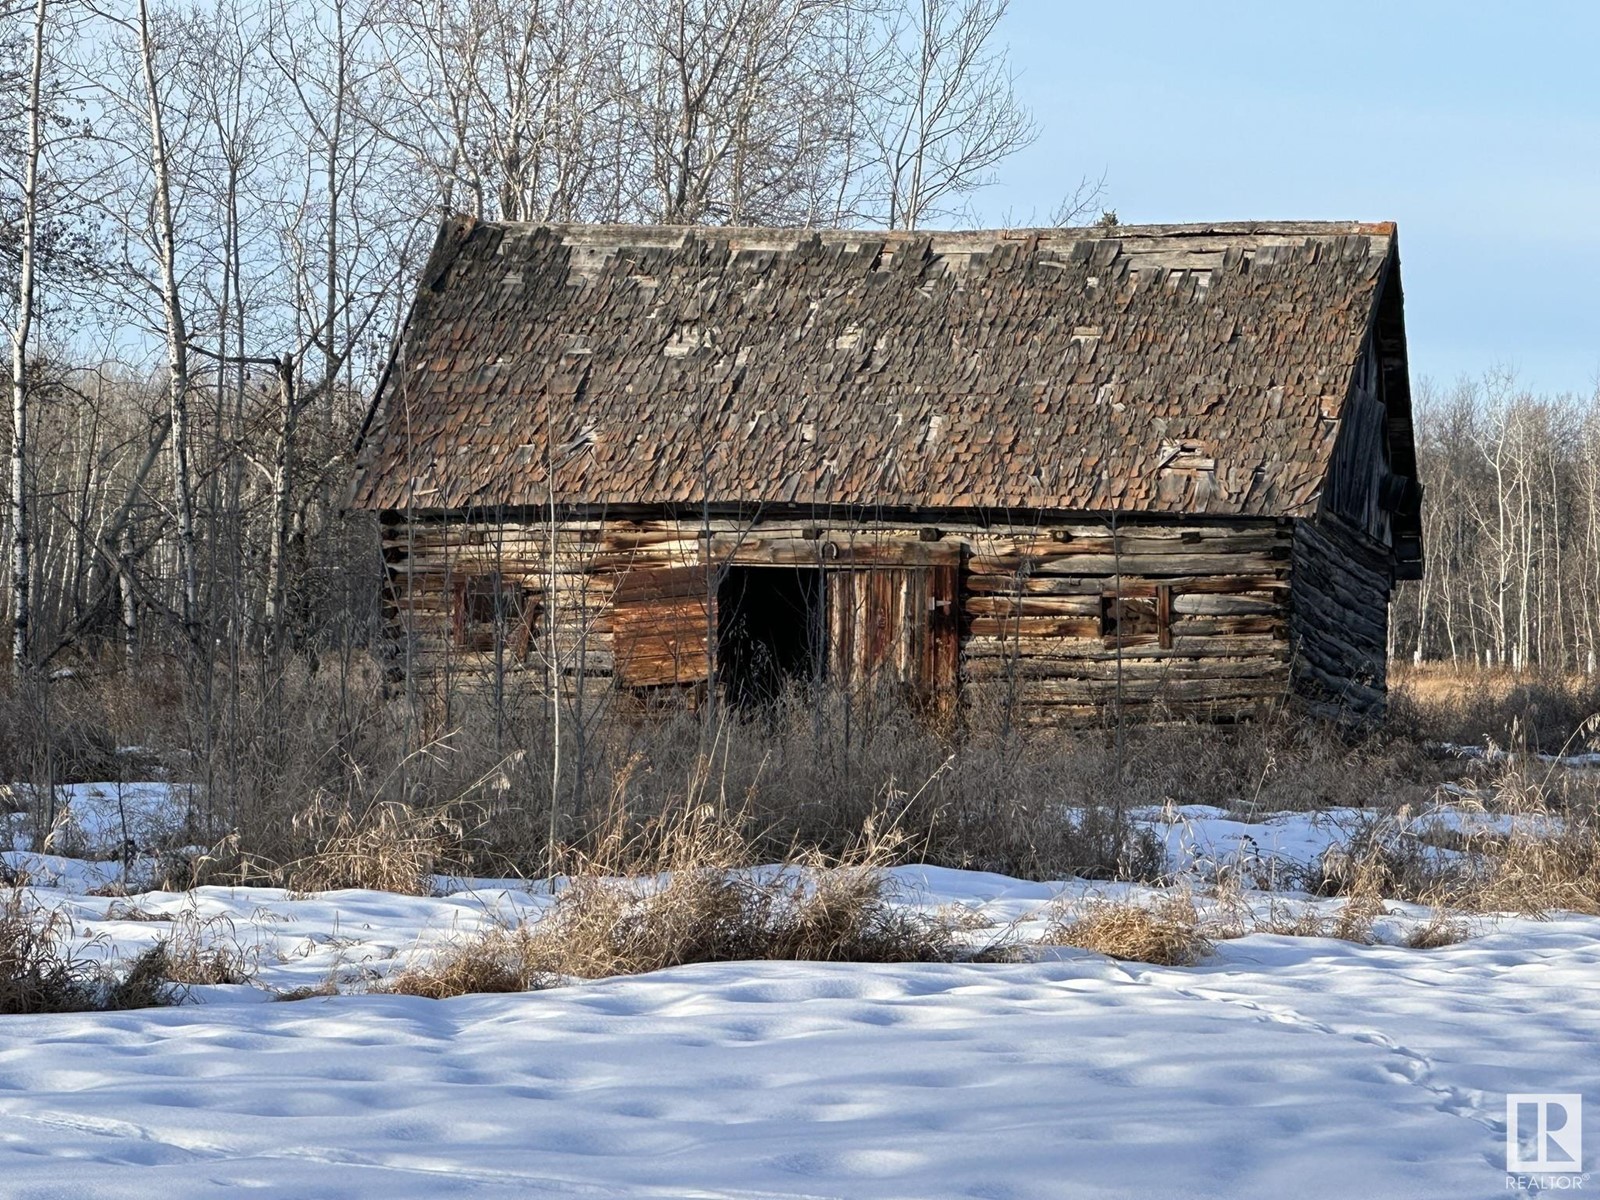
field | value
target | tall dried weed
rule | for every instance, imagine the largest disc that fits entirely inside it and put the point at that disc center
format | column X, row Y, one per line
column 679, row 891
column 386, row 846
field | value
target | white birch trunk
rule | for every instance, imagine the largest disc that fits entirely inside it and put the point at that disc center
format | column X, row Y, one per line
column 21, row 594
column 177, row 335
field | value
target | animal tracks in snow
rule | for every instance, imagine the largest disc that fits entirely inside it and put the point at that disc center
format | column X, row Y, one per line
column 1279, row 1066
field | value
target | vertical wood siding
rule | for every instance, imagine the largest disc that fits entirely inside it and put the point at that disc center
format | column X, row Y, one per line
column 897, row 623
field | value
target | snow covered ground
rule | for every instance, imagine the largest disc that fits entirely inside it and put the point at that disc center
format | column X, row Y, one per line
column 1280, row 1067
column 105, row 820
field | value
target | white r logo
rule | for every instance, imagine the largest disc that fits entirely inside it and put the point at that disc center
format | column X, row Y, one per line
column 1544, row 1133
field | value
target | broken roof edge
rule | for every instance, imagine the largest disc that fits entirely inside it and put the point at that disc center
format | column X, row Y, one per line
column 788, row 237
column 1387, row 329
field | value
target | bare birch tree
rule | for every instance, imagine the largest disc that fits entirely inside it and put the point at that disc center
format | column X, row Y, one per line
column 944, row 114
column 164, row 234
column 737, row 108
column 22, row 325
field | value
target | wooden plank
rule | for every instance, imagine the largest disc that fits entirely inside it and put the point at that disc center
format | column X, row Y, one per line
column 733, row 550
column 1010, row 584
column 1152, row 565
column 1066, row 691
column 1035, row 627
column 1222, row 667
column 1186, row 691
column 1193, row 604
column 1032, row 606
column 1210, row 626
column 661, row 624
column 1213, row 644
column 1340, row 619
column 941, row 674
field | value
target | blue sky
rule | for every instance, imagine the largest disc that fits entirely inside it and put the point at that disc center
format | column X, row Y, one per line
column 1476, row 126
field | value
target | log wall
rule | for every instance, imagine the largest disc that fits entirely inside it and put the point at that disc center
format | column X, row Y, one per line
column 1340, row 623
column 1043, row 618
column 1210, row 635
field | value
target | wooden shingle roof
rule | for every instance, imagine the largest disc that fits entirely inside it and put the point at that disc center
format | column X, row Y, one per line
column 1169, row 369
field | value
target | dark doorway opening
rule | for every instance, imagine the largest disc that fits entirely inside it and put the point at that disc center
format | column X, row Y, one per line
column 769, row 631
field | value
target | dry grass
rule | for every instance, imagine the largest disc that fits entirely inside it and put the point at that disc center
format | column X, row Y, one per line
column 1381, row 858
column 1352, row 921
column 38, row 971
column 678, row 893
column 146, row 982
column 1441, row 929
column 1040, row 804
column 121, row 910
column 1278, row 921
column 1172, row 930
column 205, row 950
column 496, row 960
column 810, row 773
column 1548, row 860
column 310, row 991
column 1524, row 838
column 1536, row 871
column 1166, row 932
column 41, row 973
column 386, row 846
column 1533, row 710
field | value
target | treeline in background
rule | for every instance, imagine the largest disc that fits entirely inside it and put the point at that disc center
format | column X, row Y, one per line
column 1511, row 530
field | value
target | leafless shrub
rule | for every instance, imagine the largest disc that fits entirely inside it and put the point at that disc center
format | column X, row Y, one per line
column 805, row 772
column 75, row 727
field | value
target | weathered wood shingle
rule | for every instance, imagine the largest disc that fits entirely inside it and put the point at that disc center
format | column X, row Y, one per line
column 1164, row 369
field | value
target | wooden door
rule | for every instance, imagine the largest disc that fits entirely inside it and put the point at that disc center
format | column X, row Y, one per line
column 663, row 624
column 900, row 624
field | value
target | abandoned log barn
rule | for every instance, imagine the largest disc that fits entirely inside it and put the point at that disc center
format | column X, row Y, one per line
column 1170, row 466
